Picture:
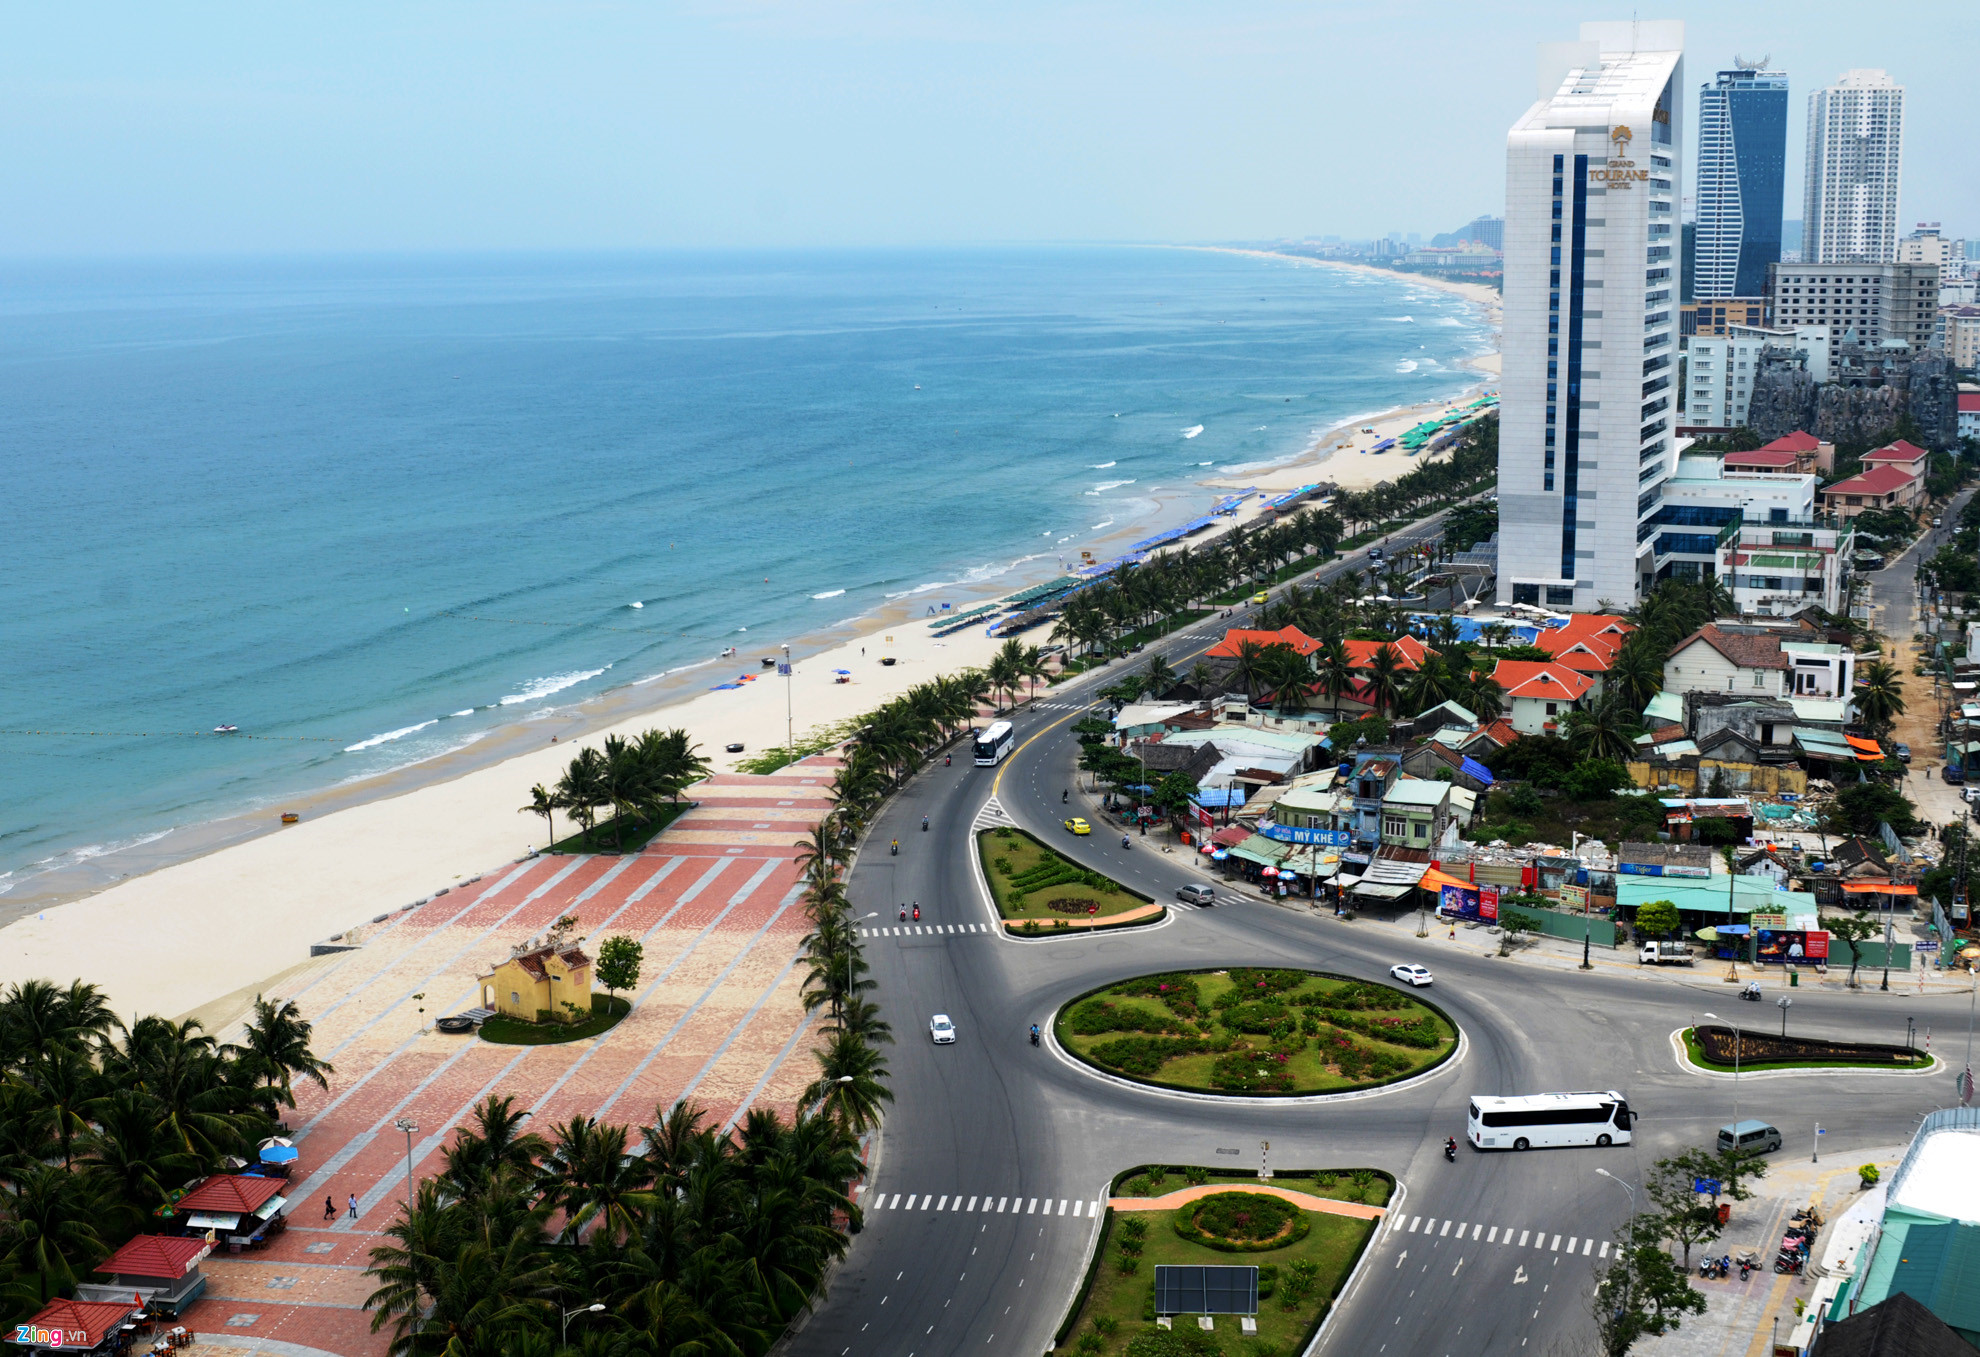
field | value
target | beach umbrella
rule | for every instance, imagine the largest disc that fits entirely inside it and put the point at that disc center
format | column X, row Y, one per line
column 1708, row 935
column 276, row 1150
column 1208, row 848
column 1220, row 854
column 1269, row 871
column 842, row 671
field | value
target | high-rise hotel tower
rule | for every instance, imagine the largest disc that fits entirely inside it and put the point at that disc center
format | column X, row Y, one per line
column 1742, row 166
column 1849, row 212
column 1590, row 343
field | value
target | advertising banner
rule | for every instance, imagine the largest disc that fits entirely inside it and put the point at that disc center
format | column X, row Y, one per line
column 1458, row 902
column 1787, row 946
column 1488, row 902
column 1574, row 897
column 1332, row 838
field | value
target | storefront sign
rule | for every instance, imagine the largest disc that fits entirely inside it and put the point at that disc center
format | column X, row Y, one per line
column 1332, row 838
column 1574, row 897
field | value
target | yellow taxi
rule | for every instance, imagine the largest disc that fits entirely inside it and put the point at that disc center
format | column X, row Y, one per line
column 1261, row 597
column 1079, row 826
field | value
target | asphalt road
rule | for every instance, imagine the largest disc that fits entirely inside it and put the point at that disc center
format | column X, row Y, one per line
column 1013, row 1144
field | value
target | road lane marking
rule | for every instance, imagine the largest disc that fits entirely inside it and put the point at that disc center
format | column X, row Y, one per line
column 1414, row 1221
column 1477, row 1230
column 1033, row 1208
column 943, row 1205
column 1001, row 1201
column 972, row 1205
column 1557, row 1243
column 1587, row 1248
column 1522, row 1237
column 1445, row 1231
column 1605, row 1250
column 910, row 1205
column 1493, row 1237
column 1062, row 1206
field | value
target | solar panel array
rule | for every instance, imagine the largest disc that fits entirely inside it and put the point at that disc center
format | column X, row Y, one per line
column 1218, row 1290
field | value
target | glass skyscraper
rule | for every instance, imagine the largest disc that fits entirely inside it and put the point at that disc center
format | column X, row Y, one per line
column 1742, row 168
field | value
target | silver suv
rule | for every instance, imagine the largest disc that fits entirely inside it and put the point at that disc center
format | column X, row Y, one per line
column 1196, row 895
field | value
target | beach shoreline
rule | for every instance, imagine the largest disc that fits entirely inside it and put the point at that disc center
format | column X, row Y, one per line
column 374, row 845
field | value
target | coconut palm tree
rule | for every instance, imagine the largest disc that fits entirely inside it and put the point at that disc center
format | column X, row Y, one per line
column 1249, row 669
column 47, row 1226
column 1335, row 669
column 275, row 1049
column 590, row 1174
column 862, row 1019
column 493, row 1145
column 1158, row 677
column 1484, row 698
column 1602, row 730
column 582, row 788
column 850, row 1086
column 1385, row 668
column 1432, row 683
column 541, row 802
column 1286, row 672
column 1880, row 696
column 1637, row 673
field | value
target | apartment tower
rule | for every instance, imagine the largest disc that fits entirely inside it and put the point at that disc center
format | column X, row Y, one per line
column 1590, row 363
column 1855, row 144
column 1742, row 168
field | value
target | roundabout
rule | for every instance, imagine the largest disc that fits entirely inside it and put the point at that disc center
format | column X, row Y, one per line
column 1255, row 1033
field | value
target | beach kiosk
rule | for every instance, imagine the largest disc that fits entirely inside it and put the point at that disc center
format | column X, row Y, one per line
column 79, row 1326
column 241, row 1212
column 160, row 1270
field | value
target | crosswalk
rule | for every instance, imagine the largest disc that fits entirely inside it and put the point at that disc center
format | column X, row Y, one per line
column 910, row 930
column 1504, row 1236
column 1070, row 1207
column 1060, row 706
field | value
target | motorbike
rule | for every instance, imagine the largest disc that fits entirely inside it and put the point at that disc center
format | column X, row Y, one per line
column 1034, row 1035
column 1752, row 991
column 924, row 824
column 903, row 913
column 1450, row 1151
column 1126, row 842
column 917, row 913
column 947, row 759
column 894, row 850
column 1062, row 797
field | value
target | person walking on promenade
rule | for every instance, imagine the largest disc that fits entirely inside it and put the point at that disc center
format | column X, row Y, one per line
column 354, row 1214
column 329, row 1208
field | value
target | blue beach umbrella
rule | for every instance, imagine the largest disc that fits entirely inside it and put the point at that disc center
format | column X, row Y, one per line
column 276, row 1150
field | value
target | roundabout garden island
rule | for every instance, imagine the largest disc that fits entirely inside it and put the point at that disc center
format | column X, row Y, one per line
column 1254, row 1031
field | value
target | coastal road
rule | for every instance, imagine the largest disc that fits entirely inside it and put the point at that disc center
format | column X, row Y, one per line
column 981, row 1196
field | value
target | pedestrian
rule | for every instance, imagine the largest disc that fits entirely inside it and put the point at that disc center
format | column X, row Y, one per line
column 329, row 1208
column 354, row 1214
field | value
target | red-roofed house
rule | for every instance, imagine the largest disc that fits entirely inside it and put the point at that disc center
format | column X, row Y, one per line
column 75, row 1326
column 1227, row 649
column 1880, row 487
column 1901, row 454
column 162, row 1270
column 1815, row 456
column 1539, row 695
column 1411, row 652
column 1969, row 414
column 1765, row 462
column 1587, row 644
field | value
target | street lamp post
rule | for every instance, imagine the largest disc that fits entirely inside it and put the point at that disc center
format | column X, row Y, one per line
column 590, row 1309
column 790, row 737
column 1625, row 1187
column 1784, row 1003
column 1736, row 1043
column 407, row 1125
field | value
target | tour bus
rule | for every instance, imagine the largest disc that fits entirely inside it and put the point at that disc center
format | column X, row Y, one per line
column 993, row 743
column 1547, row 1120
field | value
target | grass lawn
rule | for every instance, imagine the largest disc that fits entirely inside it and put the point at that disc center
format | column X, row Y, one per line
column 604, row 838
column 606, row 1011
column 1127, row 1299
column 1044, row 885
column 1251, row 1031
column 1698, row 1058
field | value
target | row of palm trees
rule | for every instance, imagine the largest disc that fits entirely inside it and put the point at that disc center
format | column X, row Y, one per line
column 668, row 1240
column 634, row 779
column 100, row 1121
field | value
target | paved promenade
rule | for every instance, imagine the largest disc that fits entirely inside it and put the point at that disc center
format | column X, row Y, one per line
column 716, row 1018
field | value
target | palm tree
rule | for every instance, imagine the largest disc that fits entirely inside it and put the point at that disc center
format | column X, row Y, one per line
column 1201, row 678
column 488, row 1283
column 46, row 1226
column 590, row 1174
column 1602, row 730
column 582, row 788
column 541, row 802
column 849, row 1086
column 128, row 1157
column 1034, row 667
column 1158, row 678
column 495, row 1145
column 1286, row 672
column 276, row 1049
column 180, row 1068
column 1383, row 684
column 1336, row 670
column 1249, row 669
column 862, row 1019
column 1431, row 684
column 1484, row 698
column 1637, row 673
column 1880, row 696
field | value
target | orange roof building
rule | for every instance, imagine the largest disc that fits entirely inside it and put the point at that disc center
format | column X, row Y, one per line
column 1411, row 652
column 1587, row 644
column 1540, row 694
column 1227, row 649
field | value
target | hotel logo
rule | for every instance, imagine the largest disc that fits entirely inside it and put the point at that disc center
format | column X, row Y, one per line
column 1621, row 136
column 1621, row 171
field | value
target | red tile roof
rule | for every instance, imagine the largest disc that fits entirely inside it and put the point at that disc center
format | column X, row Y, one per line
column 1878, row 480
column 1969, row 400
column 1798, row 441
column 228, row 1194
column 1900, row 451
column 1587, row 643
column 1765, row 458
column 1531, row 678
column 1361, row 654
column 157, row 1255
column 1230, row 836
column 1746, row 651
column 84, row 1323
column 1286, row 636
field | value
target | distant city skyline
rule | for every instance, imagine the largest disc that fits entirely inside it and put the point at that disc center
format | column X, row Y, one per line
column 227, row 127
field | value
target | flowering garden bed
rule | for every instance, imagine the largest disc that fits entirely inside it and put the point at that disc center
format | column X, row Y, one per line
column 1712, row 1046
column 1254, row 1031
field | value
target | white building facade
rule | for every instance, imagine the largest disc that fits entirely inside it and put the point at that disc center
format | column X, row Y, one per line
column 1849, row 211
column 1720, row 370
column 1590, row 364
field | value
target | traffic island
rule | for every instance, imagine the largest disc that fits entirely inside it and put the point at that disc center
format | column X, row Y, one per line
column 1714, row 1048
column 1039, row 891
column 1303, row 1231
column 1254, row 1032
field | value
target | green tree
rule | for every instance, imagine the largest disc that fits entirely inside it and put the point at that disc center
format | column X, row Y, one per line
column 1604, row 729
column 1852, row 929
column 1685, row 1219
column 1879, row 696
column 275, row 1049
column 1385, row 669
column 1640, row 1292
column 619, row 959
column 1511, row 927
column 851, row 1083
column 541, row 802
column 1659, row 918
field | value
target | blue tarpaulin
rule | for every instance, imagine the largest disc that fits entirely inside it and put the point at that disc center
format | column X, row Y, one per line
column 1473, row 768
column 1215, row 798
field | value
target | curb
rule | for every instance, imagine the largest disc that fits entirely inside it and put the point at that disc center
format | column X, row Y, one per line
column 997, row 921
column 1050, row 1034
column 1346, row 1293
column 1938, row 1066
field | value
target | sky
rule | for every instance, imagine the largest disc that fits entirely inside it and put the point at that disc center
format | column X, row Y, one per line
column 503, row 124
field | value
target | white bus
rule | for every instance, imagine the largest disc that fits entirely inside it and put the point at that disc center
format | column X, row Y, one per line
column 1547, row 1120
column 994, row 742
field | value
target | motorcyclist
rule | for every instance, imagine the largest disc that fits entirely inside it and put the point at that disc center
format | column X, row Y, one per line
column 903, row 913
column 1034, row 1034
column 895, row 848
column 946, row 758
column 1450, row 1149
column 917, row 911
column 924, row 824
column 1125, row 841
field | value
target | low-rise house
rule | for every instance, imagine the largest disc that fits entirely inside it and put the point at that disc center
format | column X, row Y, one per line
column 161, row 1271
column 1539, row 696
column 1665, row 859
column 1587, row 644
column 1140, row 720
column 1879, row 487
column 1367, row 784
column 1431, row 759
column 1254, row 757
column 1161, row 757
column 1728, row 658
column 1415, row 813
column 1812, row 455
column 1236, row 637
column 1782, row 570
column 1818, row 669
column 542, row 981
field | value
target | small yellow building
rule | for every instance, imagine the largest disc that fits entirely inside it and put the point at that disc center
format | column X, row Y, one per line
column 535, row 983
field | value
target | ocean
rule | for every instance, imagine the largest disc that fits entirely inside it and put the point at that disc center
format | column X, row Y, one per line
column 372, row 510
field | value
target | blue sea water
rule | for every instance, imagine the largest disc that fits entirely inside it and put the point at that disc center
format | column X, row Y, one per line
column 269, row 493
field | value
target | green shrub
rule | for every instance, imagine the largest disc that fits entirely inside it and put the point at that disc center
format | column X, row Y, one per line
column 1003, row 865
column 1135, row 1187
column 1172, row 1342
column 1195, row 1176
column 1245, row 1217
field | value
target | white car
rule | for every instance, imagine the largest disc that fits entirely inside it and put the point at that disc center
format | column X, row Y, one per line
column 1411, row 975
column 941, row 1029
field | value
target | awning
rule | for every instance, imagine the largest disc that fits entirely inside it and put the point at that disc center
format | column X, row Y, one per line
column 1868, row 751
column 271, row 1206
column 1434, row 879
column 1878, row 888
column 1369, row 890
column 201, row 1220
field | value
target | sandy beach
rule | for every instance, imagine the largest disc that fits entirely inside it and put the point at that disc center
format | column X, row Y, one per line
column 179, row 935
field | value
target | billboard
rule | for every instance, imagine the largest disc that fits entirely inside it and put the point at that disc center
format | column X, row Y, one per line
column 1788, row 946
column 1332, row 838
column 1468, row 902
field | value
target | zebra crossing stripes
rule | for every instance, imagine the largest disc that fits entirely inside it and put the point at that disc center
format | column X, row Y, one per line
column 910, row 930
column 1501, row 1235
column 991, row 815
column 980, row 1204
